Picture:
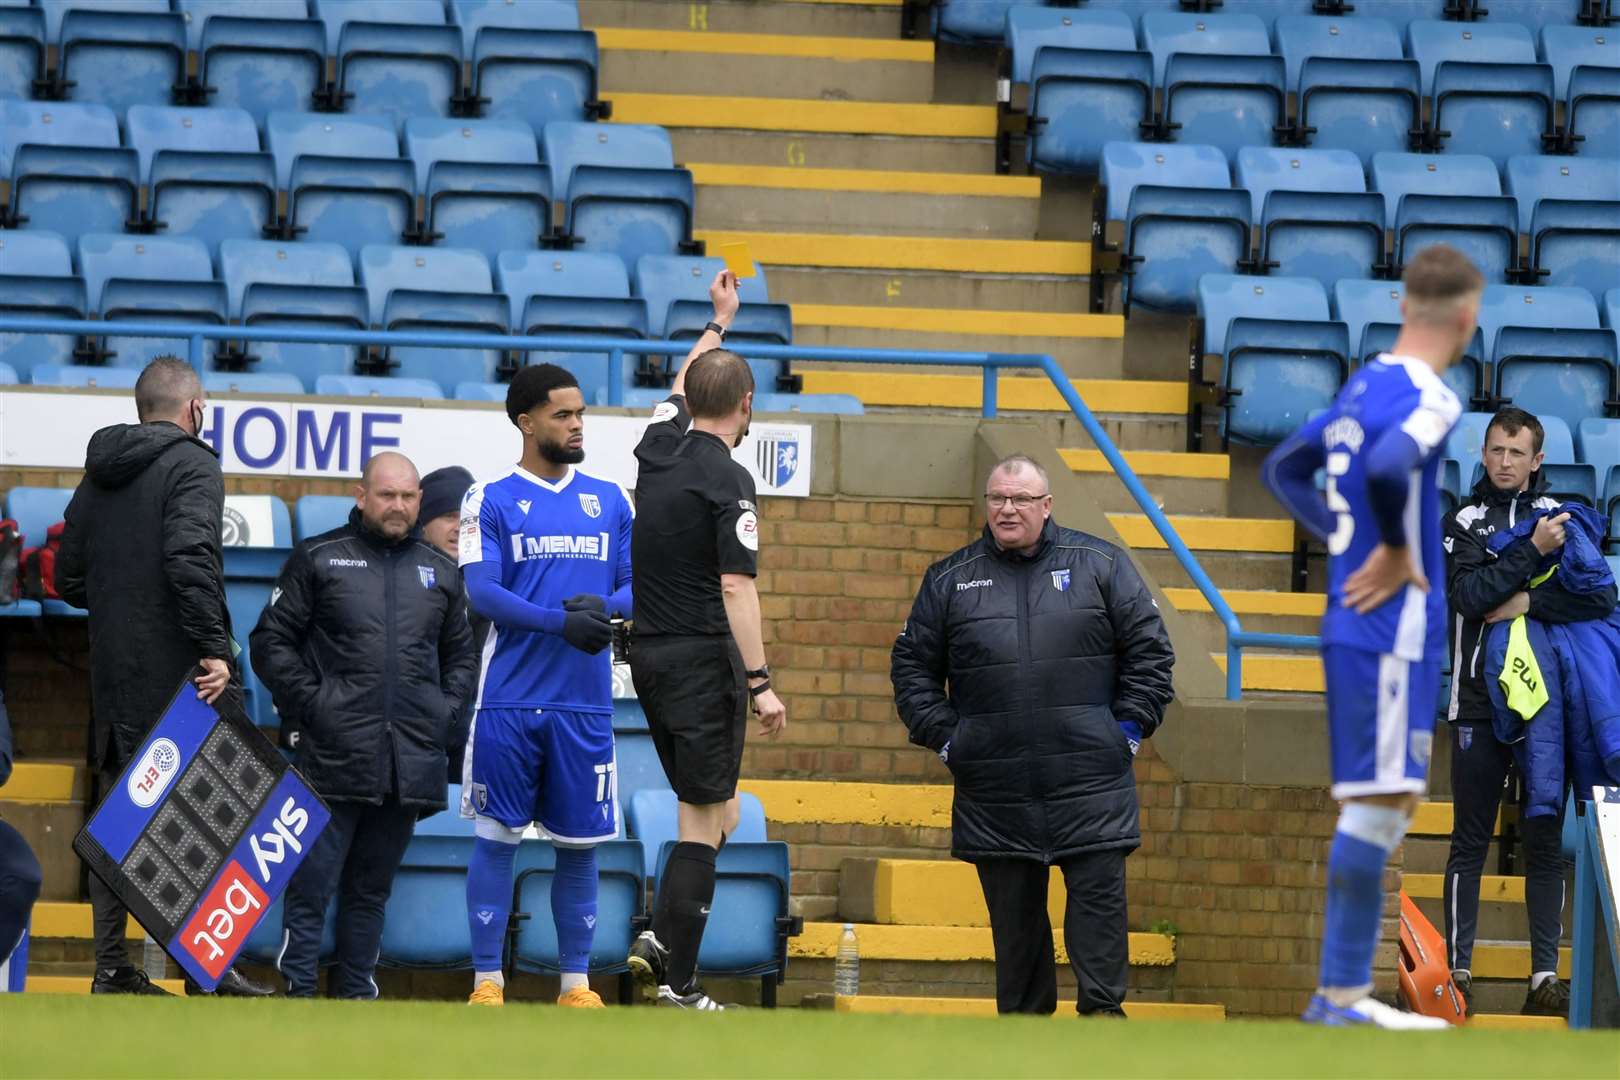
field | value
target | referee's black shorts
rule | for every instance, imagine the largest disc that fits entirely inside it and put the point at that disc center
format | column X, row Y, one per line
column 694, row 691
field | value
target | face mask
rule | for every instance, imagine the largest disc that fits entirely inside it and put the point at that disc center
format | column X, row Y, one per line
column 198, row 413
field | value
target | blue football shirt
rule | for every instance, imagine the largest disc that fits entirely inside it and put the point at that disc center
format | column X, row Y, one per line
column 552, row 541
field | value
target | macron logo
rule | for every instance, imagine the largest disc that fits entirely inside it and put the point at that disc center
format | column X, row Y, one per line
column 524, row 504
column 964, row 586
column 485, row 916
column 361, row 563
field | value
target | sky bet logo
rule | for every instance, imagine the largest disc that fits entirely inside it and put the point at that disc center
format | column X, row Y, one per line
column 224, row 919
column 594, row 547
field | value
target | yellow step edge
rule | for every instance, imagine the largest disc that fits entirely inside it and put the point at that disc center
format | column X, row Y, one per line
column 943, row 1006
column 54, row 919
column 1294, row 674
column 803, row 114
column 40, row 782
column 1434, row 819
column 790, row 802
column 80, row 984
column 1041, row 324
column 1155, row 463
column 1510, row 960
column 947, row 944
column 702, row 41
column 1266, row 535
column 880, row 181
column 1514, row 1022
column 1014, row 393
column 965, row 255
column 1252, row 601
column 940, row 892
column 1493, row 888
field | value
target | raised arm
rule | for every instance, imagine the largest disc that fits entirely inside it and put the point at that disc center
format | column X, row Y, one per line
column 723, row 291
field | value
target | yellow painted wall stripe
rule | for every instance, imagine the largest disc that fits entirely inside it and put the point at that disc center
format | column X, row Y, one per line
column 1154, row 463
column 1253, row 601
column 1493, row 888
column 941, row 892
column 61, row 920
column 947, row 944
column 829, row 48
column 34, row 782
column 841, row 803
column 908, row 252
column 1434, row 819
column 1208, row 533
column 804, row 114
column 880, row 181
column 80, row 984
column 1510, row 960
column 1298, row 674
column 1043, row 324
column 1014, row 392
column 955, row 1006
column 1514, row 1022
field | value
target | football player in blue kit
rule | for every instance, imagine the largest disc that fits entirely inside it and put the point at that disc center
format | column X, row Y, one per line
column 1383, row 636
column 545, row 551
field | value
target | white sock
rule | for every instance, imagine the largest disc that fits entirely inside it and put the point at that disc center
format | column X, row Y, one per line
column 1344, row 996
column 572, row 979
column 496, row 977
column 1539, row 977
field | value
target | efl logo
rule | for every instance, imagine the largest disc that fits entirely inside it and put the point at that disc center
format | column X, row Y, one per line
column 151, row 775
column 224, row 919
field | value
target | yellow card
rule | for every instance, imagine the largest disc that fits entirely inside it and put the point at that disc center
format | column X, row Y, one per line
column 738, row 259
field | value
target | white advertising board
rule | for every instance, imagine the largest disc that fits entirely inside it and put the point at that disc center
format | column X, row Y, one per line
column 323, row 439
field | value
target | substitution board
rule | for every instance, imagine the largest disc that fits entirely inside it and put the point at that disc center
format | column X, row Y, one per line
column 202, row 832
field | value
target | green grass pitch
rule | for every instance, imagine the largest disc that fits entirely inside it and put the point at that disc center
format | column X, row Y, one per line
column 43, row 1036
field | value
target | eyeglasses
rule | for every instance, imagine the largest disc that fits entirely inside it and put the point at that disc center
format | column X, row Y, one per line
column 1019, row 502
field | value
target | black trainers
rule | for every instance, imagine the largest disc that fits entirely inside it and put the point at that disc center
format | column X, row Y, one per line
column 1551, row 998
column 1464, row 982
column 126, row 980
column 648, row 962
column 232, row 984
column 695, row 1001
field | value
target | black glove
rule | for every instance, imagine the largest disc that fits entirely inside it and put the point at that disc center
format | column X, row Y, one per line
column 587, row 631
column 585, row 602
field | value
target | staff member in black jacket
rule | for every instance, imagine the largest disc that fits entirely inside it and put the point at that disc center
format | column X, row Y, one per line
column 1034, row 664
column 1484, row 589
column 365, row 641
column 141, row 552
column 20, row 877
column 440, row 524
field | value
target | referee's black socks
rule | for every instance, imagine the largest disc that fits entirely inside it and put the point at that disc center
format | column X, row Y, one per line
column 684, row 897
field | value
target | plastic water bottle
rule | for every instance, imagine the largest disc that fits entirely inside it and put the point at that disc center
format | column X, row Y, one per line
column 847, row 967
column 153, row 960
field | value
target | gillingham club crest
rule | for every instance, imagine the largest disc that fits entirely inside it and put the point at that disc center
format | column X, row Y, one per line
column 426, row 575
column 590, row 504
column 1060, row 580
column 777, row 456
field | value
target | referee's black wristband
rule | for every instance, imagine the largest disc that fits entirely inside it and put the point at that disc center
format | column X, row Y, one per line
column 715, row 328
column 755, row 691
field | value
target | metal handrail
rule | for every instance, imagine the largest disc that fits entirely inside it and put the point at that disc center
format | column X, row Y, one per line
column 990, row 364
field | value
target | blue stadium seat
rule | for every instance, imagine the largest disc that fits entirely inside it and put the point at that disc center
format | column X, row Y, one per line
column 1317, row 218
column 1088, row 83
column 87, row 376
column 1221, row 86
column 1449, row 198
column 662, row 279
column 140, row 258
column 1573, row 483
column 972, row 21
column 1531, row 178
column 759, row 324
column 399, row 71
column 446, row 822
column 372, row 386
column 262, row 64
column 320, row 513
column 206, row 176
column 1566, row 48
column 338, row 14
column 344, row 178
column 1577, row 243
column 198, row 13
column 1374, row 320
column 750, row 923
column 55, row 10
column 1597, row 443
column 629, row 716
column 828, row 404
column 1182, row 220
column 1166, row 33
column 621, row 899
column 1592, row 114
column 1365, row 106
column 22, row 52
column 630, row 212
column 200, row 303
column 425, row 921
column 35, row 510
column 8, row 375
column 384, row 268
column 1611, row 309
column 122, row 58
column 636, row 767
column 1466, row 443
column 290, row 135
column 611, row 317
column 1490, row 94
column 474, row 15
column 248, row 262
column 51, row 123
column 438, row 312
column 484, row 185
column 305, row 285
column 1513, row 305
column 49, row 291
column 481, row 391
column 628, row 146
column 245, row 600
column 251, row 382
column 522, row 274
column 536, row 77
column 263, row 944
column 1302, row 36
column 653, row 818
column 153, row 128
column 73, row 190
column 1568, row 373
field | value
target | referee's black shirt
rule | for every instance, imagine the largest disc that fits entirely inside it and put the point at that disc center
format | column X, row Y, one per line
column 696, row 519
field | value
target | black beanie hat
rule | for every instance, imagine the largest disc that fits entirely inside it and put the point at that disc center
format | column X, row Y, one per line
column 442, row 491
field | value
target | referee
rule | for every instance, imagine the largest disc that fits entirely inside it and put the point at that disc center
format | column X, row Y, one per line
column 698, row 657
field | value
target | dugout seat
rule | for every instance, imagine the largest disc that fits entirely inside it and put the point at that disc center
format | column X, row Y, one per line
column 35, row 510
column 425, row 921
column 620, row 906
column 637, row 767
column 135, row 55
column 316, row 514
column 1449, row 198
column 653, row 818
column 1316, row 217
column 1087, row 81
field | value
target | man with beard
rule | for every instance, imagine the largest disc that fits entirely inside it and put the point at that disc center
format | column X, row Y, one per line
column 698, row 655
column 545, row 551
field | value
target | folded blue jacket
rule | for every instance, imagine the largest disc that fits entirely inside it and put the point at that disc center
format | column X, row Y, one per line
column 1581, row 565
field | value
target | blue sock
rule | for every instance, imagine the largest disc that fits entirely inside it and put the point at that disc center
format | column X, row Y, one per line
column 573, row 907
column 1355, row 893
column 489, row 900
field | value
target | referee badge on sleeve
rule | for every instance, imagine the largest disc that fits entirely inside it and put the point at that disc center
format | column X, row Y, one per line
column 748, row 530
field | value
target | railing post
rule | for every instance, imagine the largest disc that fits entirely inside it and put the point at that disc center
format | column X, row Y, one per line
column 616, row 377
column 194, row 352
column 990, row 371
column 1234, row 669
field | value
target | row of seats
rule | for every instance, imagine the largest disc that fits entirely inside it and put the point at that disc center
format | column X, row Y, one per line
column 1224, row 80
column 1287, row 345
column 308, row 285
column 486, row 184
column 1183, row 213
column 529, row 61
column 985, row 21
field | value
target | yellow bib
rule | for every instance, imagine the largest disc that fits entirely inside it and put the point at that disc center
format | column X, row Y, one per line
column 1521, row 677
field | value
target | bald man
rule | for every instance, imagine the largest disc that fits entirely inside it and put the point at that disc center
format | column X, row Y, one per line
column 365, row 645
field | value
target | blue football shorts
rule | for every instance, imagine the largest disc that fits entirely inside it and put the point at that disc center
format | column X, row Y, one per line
column 548, row 766
column 1381, row 716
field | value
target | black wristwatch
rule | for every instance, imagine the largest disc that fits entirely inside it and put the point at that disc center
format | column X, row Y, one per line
column 761, row 672
column 716, row 328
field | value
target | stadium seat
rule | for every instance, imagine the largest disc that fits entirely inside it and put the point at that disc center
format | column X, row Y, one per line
column 1088, row 84
column 22, row 52
column 302, row 285
column 1564, row 372
column 1221, row 86
column 384, row 268
column 1300, row 37
column 480, row 391
column 636, row 766
column 1531, row 178
column 1570, row 209
column 1573, row 483
column 1532, row 14
column 484, row 185
column 1167, row 33
column 338, row 14
column 120, row 58
column 1611, row 309
column 628, row 146
column 200, row 303
column 248, row 262
column 630, row 212
column 621, row 900
column 1490, row 94
column 86, row 376
column 759, row 324
column 474, row 15
column 399, row 71
column 610, row 317
column 662, row 279
column 1356, row 91
column 826, row 404
column 49, row 292
column 262, row 64
column 1565, row 48
column 535, row 76
column 629, row 716
column 425, row 921
column 263, row 943
column 972, row 21
column 652, row 817
column 522, row 274
column 1371, row 310
column 35, row 510
column 198, row 13
column 1449, row 198
column 344, row 179
column 371, row 386
column 1466, row 442
column 1316, row 217
column 251, row 382
column 1597, row 443
column 750, row 924
column 289, row 136
column 1592, row 114
column 74, row 190
column 1512, row 305
column 320, row 513
column 1182, row 220
column 247, row 592
column 141, row 258
column 438, row 312
column 50, row 123
column 206, row 176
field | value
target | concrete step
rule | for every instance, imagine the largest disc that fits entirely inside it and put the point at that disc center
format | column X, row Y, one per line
column 1290, row 673
column 939, row 1006
column 835, row 150
column 37, row 782
column 1228, row 570
column 1015, row 393
column 722, row 111
column 1252, row 535
column 790, row 802
column 69, row 921
column 49, row 828
column 948, row 944
column 902, row 892
column 967, row 290
column 1193, row 494
column 1259, row 610
column 870, row 251
column 871, row 201
column 80, row 984
column 1084, row 357
column 1498, row 920
column 874, row 19
column 759, row 65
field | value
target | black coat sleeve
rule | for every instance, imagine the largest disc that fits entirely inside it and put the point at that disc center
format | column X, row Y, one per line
column 1552, row 603
column 1144, row 657
column 5, row 744
column 70, row 560
column 917, row 667
column 192, row 511
column 458, row 661
column 1477, row 583
column 277, row 643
